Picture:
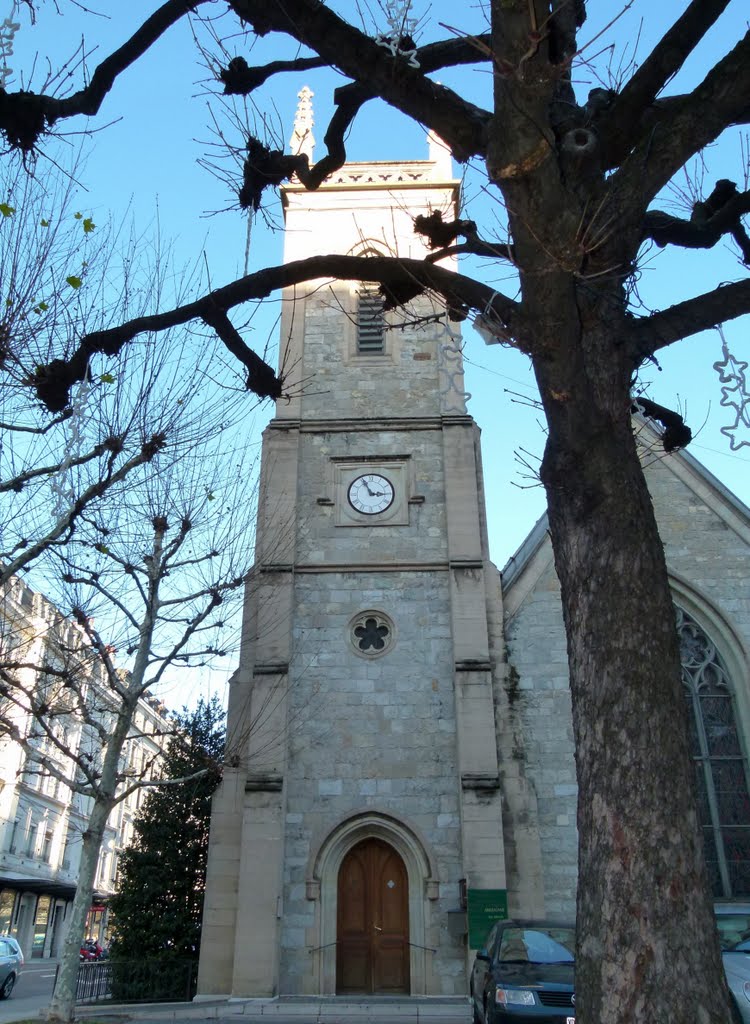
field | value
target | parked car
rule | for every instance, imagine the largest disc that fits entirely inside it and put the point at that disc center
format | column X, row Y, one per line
column 11, row 962
column 524, row 972
column 733, row 922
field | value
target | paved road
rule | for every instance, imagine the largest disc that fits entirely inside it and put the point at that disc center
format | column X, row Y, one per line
column 31, row 994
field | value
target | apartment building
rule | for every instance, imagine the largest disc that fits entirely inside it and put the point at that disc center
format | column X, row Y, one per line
column 42, row 819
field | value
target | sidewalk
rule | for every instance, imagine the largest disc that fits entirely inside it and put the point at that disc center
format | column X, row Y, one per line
column 316, row 1010
column 289, row 1009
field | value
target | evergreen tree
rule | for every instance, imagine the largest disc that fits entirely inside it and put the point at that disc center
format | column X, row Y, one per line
column 159, row 900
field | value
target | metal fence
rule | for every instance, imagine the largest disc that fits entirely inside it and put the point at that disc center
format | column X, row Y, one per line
column 137, row 981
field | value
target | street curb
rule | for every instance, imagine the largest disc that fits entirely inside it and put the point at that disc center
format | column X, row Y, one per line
column 333, row 1010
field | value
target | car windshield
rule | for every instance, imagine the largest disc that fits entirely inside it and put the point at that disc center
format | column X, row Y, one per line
column 537, row 945
column 734, row 932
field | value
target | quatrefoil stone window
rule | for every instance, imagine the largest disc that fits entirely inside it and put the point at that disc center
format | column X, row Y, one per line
column 371, row 633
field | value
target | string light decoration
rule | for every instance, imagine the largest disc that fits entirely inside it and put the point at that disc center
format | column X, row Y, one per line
column 62, row 484
column 734, row 395
column 8, row 29
column 450, row 355
column 401, row 29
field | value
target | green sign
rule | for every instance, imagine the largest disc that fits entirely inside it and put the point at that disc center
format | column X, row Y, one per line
column 485, row 906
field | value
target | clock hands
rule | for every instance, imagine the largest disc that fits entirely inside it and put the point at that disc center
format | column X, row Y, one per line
column 373, row 494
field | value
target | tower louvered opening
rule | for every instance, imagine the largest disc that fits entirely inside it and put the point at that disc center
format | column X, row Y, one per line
column 370, row 323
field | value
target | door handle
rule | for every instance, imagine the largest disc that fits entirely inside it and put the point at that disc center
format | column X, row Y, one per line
column 377, row 929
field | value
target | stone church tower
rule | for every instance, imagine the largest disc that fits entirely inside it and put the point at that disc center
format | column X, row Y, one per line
column 365, row 805
column 402, row 768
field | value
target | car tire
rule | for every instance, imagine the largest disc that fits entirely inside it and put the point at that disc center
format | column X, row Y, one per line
column 7, row 986
column 736, row 1015
column 476, row 1019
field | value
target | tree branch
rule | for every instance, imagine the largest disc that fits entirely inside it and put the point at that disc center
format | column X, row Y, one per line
column 54, row 380
column 25, row 116
column 462, row 125
column 621, row 127
column 240, row 79
column 719, row 215
column 684, row 319
column 17, row 483
column 685, row 126
column 440, row 234
column 164, row 783
column 96, row 490
column 264, row 167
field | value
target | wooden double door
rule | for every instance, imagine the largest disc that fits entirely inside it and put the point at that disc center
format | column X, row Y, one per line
column 372, row 950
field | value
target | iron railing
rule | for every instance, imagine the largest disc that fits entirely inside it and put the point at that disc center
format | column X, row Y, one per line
column 137, row 981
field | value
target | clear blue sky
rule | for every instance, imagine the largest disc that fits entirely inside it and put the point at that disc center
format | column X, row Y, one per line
column 163, row 117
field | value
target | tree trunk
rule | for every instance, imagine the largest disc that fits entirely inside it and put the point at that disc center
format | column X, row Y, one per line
column 637, row 816
column 62, row 1004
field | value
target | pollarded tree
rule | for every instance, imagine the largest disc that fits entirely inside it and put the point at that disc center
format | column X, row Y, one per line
column 146, row 584
column 62, row 275
column 161, row 878
column 581, row 180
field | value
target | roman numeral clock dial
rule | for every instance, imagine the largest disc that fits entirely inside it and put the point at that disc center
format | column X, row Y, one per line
column 370, row 494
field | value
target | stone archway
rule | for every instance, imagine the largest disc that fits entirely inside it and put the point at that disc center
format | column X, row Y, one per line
column 422, row 887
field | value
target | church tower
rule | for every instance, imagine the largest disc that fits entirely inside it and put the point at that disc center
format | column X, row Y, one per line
column 362, row 808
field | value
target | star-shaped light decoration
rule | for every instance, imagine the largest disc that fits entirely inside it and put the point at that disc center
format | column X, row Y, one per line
column 734, row 395
column 402, row 26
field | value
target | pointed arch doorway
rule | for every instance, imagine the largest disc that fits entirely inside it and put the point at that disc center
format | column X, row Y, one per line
column 372, row 929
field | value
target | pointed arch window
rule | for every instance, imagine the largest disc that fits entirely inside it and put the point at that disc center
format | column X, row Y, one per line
column 720, row 764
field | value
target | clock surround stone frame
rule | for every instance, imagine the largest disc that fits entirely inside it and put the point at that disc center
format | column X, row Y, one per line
column 346, row 470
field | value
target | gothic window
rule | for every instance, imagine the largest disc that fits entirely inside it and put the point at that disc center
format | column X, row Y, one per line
column 370, row 322
column 371, row 633
column 720, row 766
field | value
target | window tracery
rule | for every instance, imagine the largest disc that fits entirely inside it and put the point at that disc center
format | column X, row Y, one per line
column 371, row 633
column 720, row 764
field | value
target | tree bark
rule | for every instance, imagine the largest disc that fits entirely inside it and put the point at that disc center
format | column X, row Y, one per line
column 62, row 1005
column 636, row 810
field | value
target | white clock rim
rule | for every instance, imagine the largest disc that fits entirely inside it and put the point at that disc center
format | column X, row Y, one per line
column 370, row 512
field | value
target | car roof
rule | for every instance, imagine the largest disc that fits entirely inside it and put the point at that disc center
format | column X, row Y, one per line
column 526, row 922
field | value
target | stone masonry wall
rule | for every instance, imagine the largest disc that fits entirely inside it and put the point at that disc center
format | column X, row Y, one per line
column 538, row 659
column 321, row 541
column 707, row 547
column 402, row 382
column 375, row 733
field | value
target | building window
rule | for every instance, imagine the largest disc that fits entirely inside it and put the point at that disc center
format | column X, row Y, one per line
column 12, row 838
column 720, row 765
column 7, row 903
column 371, row 633
column 47, row 845
column 370, row 322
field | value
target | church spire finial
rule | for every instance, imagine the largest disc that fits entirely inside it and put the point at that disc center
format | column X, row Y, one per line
column 303, row 140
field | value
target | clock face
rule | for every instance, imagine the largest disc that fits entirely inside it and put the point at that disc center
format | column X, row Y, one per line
column 370, row 494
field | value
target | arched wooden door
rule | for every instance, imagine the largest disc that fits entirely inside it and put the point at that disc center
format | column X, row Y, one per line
column 372, row 951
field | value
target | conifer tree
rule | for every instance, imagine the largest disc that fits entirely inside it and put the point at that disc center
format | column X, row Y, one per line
column 159, row 899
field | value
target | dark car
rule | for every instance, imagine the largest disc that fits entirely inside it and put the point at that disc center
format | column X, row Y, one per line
column 11, row 962
column 525, row 972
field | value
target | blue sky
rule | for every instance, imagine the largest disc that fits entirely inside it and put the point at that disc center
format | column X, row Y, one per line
column 145, row 149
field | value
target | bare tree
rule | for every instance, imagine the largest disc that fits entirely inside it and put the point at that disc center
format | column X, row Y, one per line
column 119, row 502
column 147, row 584
column 61, row 274
column 582, row 182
